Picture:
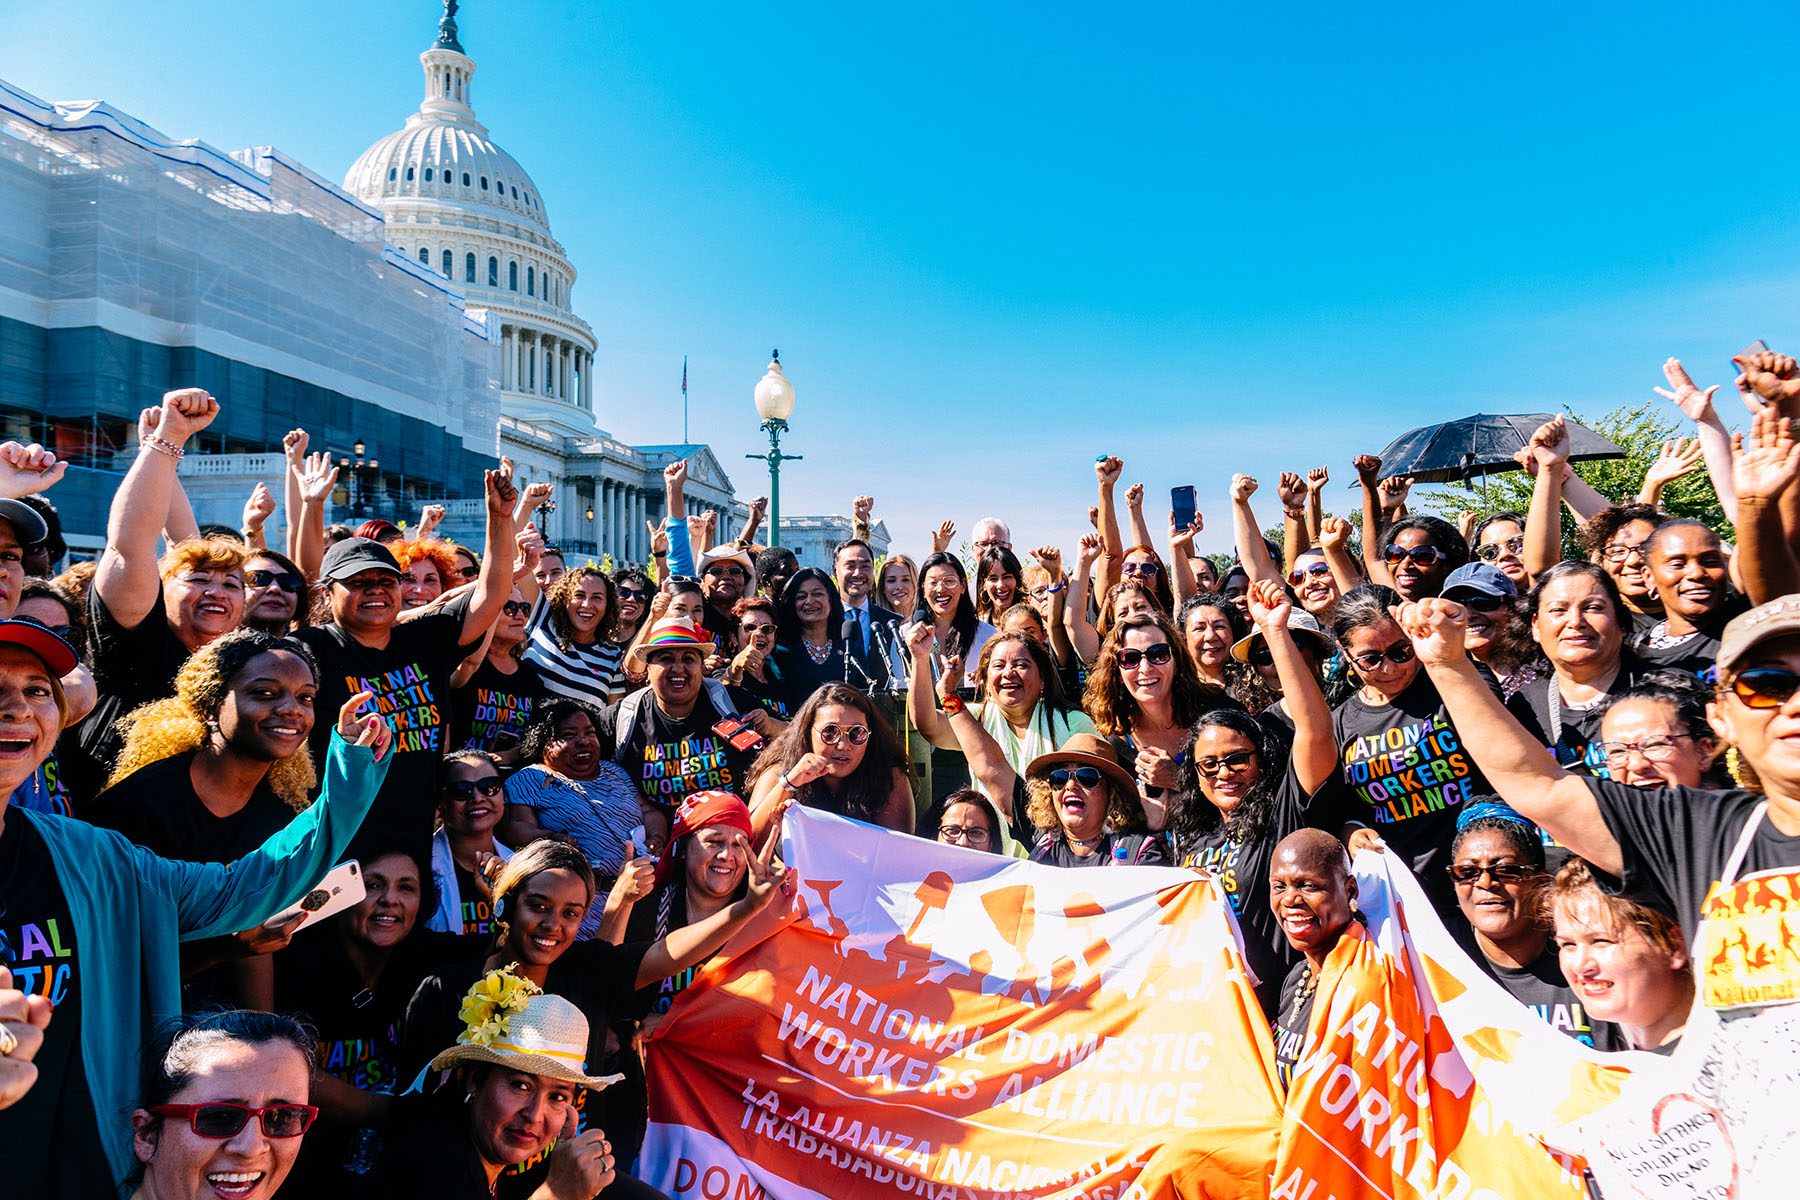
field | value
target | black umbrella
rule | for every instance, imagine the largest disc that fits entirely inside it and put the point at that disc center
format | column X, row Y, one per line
column 1480, row 445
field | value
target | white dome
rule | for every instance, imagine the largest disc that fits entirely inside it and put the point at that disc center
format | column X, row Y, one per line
column 451, row 161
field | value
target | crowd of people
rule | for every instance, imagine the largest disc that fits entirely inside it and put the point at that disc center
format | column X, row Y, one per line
column 562, row 783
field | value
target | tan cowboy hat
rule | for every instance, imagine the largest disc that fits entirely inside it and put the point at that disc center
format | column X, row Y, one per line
column 547, row 1037
column 1086, row 750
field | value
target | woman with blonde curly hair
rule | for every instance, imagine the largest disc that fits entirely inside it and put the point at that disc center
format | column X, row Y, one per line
column 1085, row 808
column 428, row 569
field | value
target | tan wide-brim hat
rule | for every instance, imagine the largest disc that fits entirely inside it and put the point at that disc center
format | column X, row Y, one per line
column 547, row 1038
column 1084, row 750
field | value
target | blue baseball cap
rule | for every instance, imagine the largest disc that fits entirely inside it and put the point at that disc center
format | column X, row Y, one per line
column 1481, row 578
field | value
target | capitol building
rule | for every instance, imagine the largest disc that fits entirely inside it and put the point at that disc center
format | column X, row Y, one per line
column 416, row 319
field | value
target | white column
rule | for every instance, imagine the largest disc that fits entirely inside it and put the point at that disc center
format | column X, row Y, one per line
column 639, row 529
column 587, row 381
column 615, row 535
column 608, row 506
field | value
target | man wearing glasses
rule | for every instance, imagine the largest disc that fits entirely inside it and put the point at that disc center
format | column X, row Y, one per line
column 727, row 575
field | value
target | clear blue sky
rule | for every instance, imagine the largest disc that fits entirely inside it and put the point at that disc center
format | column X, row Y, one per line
column 994, row 240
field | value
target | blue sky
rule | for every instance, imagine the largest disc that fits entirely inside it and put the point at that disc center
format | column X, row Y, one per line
column 995, row 240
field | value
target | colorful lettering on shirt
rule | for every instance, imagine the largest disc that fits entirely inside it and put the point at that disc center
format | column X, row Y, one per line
column 477, row 916
column 673, row 770
column 1411, row 770
column 405, row 698
column 1221, row 861
column 364, row 1063
column 43, row 960
column 496, row 712
column 1566, row 1018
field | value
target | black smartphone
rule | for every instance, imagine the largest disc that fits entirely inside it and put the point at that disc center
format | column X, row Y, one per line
column 953, row 646
column 1181, row 500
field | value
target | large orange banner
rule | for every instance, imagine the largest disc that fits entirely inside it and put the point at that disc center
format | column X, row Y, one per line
column 932, row 1021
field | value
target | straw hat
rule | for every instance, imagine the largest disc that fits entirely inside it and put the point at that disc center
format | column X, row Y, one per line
column 1086, row 750
column 513, row 1025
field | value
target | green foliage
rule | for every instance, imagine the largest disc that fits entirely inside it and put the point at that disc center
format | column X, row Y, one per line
column 1639, row 430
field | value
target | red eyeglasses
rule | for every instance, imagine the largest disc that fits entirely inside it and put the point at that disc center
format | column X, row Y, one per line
column 222, row 1120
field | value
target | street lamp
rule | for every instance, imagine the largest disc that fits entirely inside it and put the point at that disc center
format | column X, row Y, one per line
column 774, row 402
column 362, row 478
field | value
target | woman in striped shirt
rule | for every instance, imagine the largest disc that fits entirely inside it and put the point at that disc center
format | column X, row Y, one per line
column 572, row 639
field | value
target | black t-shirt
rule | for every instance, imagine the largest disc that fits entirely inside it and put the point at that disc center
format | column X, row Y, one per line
column 1243, row 871
column 1145, row 850
column 1697, row 652
column 1407, row 774
column 646, row 924
column 429, row 1155
column 477, row 907
column 802, row 676
column 157, row 807
column 131, row 667
column 1542, row 987
column 1676, row 841
column 771, row 695
column 1292, row 1015
column 669, row 759
column 411, row 683
column 1572, row 734
column 52, row 1128
column 359, row 1035
column 491, row 711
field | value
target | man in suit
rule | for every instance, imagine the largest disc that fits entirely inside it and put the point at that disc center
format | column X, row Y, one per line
column 875, row 640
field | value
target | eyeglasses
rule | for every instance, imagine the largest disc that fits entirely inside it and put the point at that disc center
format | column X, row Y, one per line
column 831, row 735
column 1468, row 873
column 753, row 630
column 975, row 835
column 631, row 593
column 1491, row 551
column 1398, row 653
column 1481, row 602
column 726, row 569
column 469, row 572
column 1142, row 568
column 1765, row 687
column 288, row 581
column 222, row 1120
column 463, row 790
column 1660, row 749
column 1087, row 777
column 1419, row 556
column 1260, row 655
column 1229, row 764
column 1618, row 552
column 1158, row 655
column 515, row 608
column 1298, row 575
column 370, row 583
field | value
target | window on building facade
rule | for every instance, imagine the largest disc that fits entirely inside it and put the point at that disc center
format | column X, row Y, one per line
column 449, row 265
column 531, row 281
column 425, row 255
column 493, row 271
column 512, row 276
column 468, row 268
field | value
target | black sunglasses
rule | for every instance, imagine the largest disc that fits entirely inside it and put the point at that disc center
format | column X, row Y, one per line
column 288, row 581
column 222, row 1120
column 1479, row 601
column 1399, row 652
column 1156, row 655
column 1087, row 777
column 515, row 608
column 631, row 593
column 1232, row 763
column 1467, row 873
column 1298, row 575
column 463, row 790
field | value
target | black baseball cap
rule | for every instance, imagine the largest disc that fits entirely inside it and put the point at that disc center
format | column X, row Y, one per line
column 354, row 555
column 28, row 524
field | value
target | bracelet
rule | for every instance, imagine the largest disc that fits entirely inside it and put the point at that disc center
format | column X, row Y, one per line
column 1295, row 514
column 659, row 554
column 162, row 446
column 786, row 784
column 1053, row 590
column 952, row 705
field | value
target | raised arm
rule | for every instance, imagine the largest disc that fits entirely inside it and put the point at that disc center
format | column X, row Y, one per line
column 1252, row 551
column 126, row 579
column 1334, row 540
column 1134, row 508
column 1181, row 554
column 1295, row 539
column 862, row 517
column 530, row 545
column 1082, row 634
column 1715, row 439
column 1518, row 766
column 1315, row 743
column 1050, row 559
column 1678, row 457
column 293, row 451
column 921, row 699
column 257, row 511
column 1316, row 479
column 1765, row 466
column 753, row 519
column 1368, row 476
column 315, row 481
column 1549, row 450
column 1106, row 473
column 681, row 551
column 495, row 583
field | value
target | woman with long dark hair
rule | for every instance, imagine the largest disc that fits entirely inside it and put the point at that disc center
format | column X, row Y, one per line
column 809, row 642
column 1580, row 623
column 998, row 583
column 839, row 754
column 944, row 603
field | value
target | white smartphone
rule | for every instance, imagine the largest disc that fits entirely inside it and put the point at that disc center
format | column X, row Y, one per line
column 640, row 841
column 341, row 888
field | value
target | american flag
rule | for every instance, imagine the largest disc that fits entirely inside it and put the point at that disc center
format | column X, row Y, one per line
column 684, row 377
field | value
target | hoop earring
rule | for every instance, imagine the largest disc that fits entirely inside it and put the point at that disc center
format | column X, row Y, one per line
column 1741, row 772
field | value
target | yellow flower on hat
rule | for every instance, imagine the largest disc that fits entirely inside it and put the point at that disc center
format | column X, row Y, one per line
column 490, row 1004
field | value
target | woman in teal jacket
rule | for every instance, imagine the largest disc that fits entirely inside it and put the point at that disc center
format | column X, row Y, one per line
column 94, row 923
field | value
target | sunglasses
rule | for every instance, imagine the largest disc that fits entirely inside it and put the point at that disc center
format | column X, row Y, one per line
column 631, row 593
column 1481, row 602
column 1298, row 575
column 288, row 581
column 515, row 608
column 1418, row 556
column 470, row 572
column 1087, row 777
column 378, row 583
column 718, row 569
column 831, row 735
column 1765, row 687
column 1469, row 873
column 222, row 1120
column 1229, row 764
column 973, row 834
column 463, row 790
column 1514, row 546
column 1260, row 655
column 1158, row 655
column 1141, row 568
column 753, row 630
column 1398, row 653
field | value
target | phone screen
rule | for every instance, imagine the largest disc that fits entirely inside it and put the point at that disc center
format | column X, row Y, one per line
column 1181, row 500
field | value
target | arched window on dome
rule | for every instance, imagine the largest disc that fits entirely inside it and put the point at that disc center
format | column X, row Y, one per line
column 449, row 265
column 484, row 186
column 409, row 174
column 512, row 276
column 493, row 271
column 393, row 173
column 469, row 268
column 515, row 191
column 425, row 255
column 465, row 179
column 427, row 174
column 500, row 185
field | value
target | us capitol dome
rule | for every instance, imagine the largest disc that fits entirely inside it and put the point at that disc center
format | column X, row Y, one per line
column 464, row 207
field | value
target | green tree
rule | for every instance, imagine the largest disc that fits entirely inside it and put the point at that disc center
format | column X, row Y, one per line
column 1638, row 429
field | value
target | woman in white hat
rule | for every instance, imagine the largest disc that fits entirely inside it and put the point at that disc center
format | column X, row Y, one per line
column 520, row 1064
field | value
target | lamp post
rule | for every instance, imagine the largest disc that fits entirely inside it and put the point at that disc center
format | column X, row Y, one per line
column 362, row 475
column 774, row 402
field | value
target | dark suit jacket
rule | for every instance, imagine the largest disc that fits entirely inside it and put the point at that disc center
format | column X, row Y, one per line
column 876, row 661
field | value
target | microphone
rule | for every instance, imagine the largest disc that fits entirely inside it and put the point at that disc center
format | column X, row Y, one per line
column 846, row 632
